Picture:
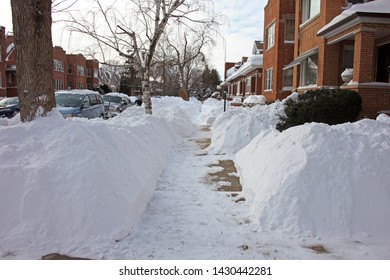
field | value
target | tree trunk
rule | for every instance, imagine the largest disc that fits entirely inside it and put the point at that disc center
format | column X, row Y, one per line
column 146, row 92
column 34, row 57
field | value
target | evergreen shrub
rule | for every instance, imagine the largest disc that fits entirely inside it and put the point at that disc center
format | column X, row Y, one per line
column 330, row 106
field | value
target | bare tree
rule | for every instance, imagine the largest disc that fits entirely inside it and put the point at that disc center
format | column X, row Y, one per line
column 188, row 56
column 134, row 30
column 34, row 57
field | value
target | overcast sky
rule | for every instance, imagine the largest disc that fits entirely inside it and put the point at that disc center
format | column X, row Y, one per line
column 244, row 27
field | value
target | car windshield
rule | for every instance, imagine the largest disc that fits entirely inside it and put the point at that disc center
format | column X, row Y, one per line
column 68, row 100
column 9, row 101
column 112, row 99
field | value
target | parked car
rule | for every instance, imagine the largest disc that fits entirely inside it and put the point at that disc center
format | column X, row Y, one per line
column 115, row 103
column 80, row 103
column 9, row 107
column 253, row 100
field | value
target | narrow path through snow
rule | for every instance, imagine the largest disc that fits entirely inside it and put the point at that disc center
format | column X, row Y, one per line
column 187, row 218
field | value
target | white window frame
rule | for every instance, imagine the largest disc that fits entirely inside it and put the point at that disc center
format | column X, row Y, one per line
column 80, row 70
column 58, row 65
column 248, row 85
column 270, row 35
column 304, row 71
column 96, row 73
column 268, row 79
column 307, row 12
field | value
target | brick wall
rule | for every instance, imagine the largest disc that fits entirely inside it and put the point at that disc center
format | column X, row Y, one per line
column 73, row 78
column 281, row 54
column 2, row 62
column 374, row 99
column 364, row 57
column 60, row 55
column 93, row 65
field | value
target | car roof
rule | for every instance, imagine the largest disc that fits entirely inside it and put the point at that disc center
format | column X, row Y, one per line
column 117, row 94
column 77, row 91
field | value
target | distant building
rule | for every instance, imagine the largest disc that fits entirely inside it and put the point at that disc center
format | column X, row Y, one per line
column 244, row 78
column 2, row 62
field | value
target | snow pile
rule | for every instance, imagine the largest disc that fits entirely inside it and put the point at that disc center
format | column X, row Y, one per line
column 235, row 128
column 320, row 180
column 77, row 182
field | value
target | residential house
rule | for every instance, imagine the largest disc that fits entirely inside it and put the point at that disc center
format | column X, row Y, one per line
column 76, row 71
column 10, row 66
column 92, row 73
column 279, row 31
column 334, row 35
column 244, row 77
column 60, row 67
column 2, row 62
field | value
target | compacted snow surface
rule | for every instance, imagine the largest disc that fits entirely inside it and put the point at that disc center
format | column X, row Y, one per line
column 143, row 187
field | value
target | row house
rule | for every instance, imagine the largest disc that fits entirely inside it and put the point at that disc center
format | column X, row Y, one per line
column 244, row 78
column 71, row 71
column 331, row 38
column 2, row 62
column 279, row 28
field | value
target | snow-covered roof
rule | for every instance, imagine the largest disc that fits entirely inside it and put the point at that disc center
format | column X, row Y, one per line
column 253, row 62
column 373, row 7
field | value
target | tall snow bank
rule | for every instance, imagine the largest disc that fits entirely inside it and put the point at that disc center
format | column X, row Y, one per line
column 319, row 179
column 74, row 183
column 235, row 128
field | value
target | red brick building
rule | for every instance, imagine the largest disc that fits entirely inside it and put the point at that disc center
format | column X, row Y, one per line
column 70, row 71
column 279, row 31
column 2, row 62
column 92, row 73
column 331, row 36
column 244, row 78
column 10, row 66
column 76, row 71
column 60, row 67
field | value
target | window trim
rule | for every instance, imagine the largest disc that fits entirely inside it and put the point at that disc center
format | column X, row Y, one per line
column 268, row 79
column 305, row 12
column 272, row 26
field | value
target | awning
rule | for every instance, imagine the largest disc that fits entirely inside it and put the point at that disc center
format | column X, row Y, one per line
column 301, row 58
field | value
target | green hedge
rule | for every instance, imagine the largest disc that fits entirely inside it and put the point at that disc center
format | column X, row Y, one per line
column 330, row 106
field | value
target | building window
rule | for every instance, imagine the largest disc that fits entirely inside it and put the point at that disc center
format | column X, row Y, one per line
column 288, row 79
column 248, row 85
column 9, row 78
column 309, row 71
column 289, row 30
column 89, row 72
column 268, row 79
column 96, row 73
column 80, row 70
column 69, row 85
column 348, row 57
column 271, row 36
column 69, row 69
column 79, row 85
column 58, row 65
column 310, row 8
column 58, row 84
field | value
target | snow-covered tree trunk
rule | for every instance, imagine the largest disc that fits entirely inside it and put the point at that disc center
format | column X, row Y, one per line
column 34, row 57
